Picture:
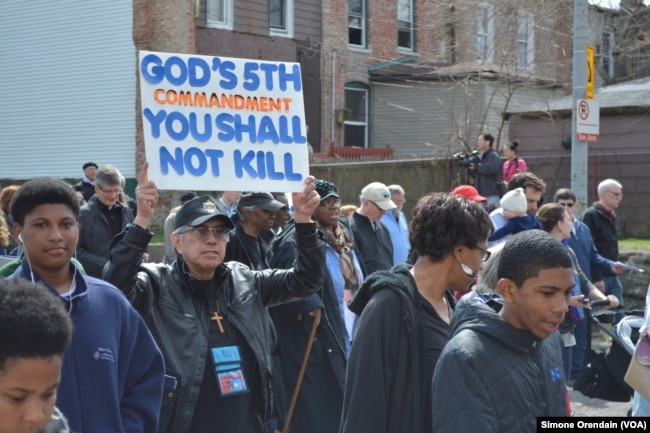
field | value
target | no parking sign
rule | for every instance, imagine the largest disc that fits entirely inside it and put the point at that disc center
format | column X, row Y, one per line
column 588, row 126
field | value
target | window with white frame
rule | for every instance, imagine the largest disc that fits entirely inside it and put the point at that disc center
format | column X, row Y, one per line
column 405, row 27
column 281, row 17
column 607, row 51
column 219, row 14
column 356, row 125
column 484, row 32
column 526, row 40
column 357, row 22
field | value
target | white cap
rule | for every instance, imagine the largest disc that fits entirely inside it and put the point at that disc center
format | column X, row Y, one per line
column 379, row 194
column 514, row 200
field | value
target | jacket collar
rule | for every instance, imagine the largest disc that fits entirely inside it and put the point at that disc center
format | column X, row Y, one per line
column 78, row 299
column 398, row 278
column 182, row 275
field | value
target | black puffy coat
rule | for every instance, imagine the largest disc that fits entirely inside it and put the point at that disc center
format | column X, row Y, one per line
column 493, row 377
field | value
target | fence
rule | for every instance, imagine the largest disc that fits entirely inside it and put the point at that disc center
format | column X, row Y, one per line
column 351, row 153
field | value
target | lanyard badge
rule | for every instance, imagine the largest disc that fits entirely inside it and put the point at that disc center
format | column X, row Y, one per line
column 228, row 369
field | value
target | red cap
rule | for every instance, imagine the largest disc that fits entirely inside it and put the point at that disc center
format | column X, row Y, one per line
column 468, row 191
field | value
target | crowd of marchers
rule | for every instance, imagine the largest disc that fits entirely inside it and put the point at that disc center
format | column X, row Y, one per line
column 299, row 313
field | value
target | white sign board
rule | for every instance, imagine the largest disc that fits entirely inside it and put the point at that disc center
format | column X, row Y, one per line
column 220, row 123
column 588, row 125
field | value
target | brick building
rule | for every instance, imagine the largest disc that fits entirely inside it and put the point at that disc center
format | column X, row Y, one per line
column 277, row 30
column 387, row 66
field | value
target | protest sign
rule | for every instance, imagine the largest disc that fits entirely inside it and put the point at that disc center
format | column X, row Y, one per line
column 220, row 123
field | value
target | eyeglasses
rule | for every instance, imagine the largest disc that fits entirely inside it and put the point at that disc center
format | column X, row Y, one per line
column 566, row 203
column 330, row 204
column 202, row 233
column 110, row 191
column 485, row 254
column 616, row 194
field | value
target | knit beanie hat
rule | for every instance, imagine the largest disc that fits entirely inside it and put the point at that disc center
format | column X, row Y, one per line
column 514, row 200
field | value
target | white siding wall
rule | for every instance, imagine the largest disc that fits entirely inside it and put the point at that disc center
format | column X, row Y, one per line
column 419, row 117
column 68, row 87
column 433, row 118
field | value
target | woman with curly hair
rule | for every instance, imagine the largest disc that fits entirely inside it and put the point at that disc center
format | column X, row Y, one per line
column 405, row 314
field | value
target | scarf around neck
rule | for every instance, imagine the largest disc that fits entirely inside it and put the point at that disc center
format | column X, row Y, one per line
column 343, row 245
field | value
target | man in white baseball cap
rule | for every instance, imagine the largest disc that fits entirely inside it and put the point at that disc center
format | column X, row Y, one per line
column 379, row 194
column 371, row 237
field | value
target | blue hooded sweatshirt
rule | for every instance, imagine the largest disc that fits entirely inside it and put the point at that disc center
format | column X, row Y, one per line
column 112, row 375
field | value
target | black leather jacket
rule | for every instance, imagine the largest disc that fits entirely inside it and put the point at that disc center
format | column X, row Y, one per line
column 178, row 315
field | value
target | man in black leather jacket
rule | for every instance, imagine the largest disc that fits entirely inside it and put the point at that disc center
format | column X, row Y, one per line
column 207, row 316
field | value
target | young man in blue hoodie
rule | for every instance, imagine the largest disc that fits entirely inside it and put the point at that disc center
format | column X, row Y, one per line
column 112, row 375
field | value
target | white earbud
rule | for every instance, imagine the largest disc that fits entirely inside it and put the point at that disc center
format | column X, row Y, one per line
column 468, row 271
column 20, row 237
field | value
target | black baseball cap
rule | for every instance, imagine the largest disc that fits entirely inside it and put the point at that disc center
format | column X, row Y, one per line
column 200, row 209
column 326, row 189
column 262, row 199
column 89, row 164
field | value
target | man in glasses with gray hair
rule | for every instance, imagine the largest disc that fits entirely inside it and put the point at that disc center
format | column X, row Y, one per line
column 208, row 316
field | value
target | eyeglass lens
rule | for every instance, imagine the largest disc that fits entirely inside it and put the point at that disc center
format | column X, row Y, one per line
column 203, row 233
column 330, row 203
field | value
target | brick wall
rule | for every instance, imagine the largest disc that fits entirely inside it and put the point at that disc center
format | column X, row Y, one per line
column 166, row 26
column 434, row 39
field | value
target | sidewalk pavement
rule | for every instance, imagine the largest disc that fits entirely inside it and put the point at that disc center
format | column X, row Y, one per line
column 586, row 406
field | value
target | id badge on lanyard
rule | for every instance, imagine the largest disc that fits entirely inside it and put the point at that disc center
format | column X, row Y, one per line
column 228, row 370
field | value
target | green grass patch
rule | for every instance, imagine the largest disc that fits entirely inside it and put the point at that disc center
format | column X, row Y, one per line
column 634, row 244
column 158, row 235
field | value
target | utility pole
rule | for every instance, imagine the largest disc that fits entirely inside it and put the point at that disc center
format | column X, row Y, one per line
column 579, row 149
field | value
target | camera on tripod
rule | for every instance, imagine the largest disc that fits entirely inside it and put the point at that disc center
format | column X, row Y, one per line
column 467, row 159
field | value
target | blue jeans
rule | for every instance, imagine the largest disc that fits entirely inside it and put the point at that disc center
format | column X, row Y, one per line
column 614, row 287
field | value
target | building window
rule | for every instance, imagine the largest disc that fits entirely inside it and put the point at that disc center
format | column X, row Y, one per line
column 219, row 14
column 484, row 33
column 281, row 17
column 607, row 52
column 356, row 124
column 526, row 41
column 357, row 22
column 405, row 19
